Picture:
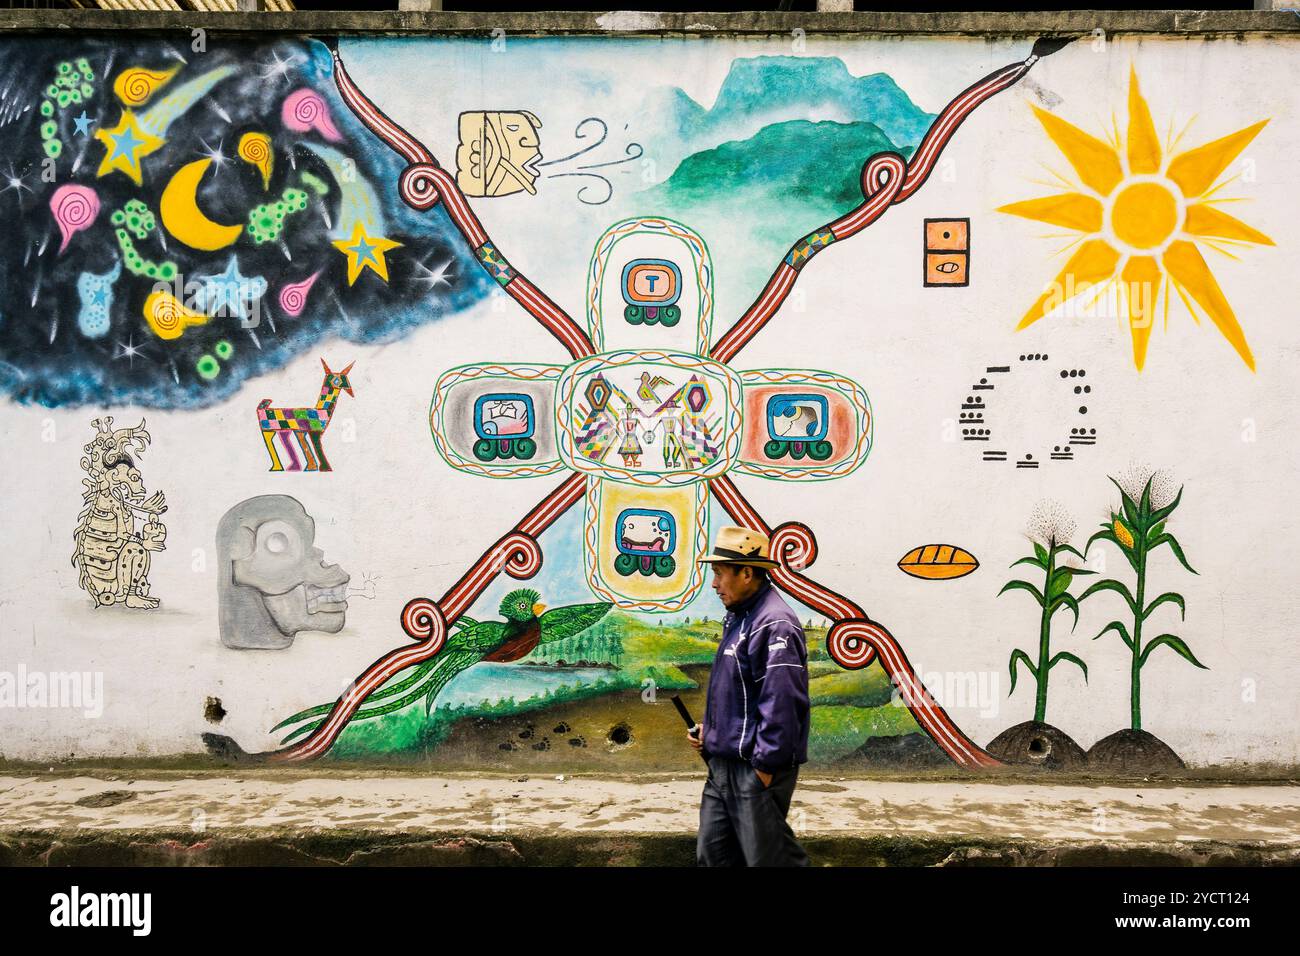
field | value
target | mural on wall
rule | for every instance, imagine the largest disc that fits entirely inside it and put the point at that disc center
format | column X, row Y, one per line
column 304, row 427
column 665, row 366
column 113, row 553
column 273, row 581
column 1142, row 211
column 187, row 219
column 185, row 223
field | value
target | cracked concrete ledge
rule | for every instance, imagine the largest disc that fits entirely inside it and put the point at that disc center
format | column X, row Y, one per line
column 1223, row 22
column 244, row 819
column 361, row 848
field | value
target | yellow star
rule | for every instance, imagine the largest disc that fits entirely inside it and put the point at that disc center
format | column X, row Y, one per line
column 365, row 251
column 125, row 145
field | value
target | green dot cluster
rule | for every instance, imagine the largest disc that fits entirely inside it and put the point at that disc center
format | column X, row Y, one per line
column 136, row 219
column 73, row 83
column 265, row 222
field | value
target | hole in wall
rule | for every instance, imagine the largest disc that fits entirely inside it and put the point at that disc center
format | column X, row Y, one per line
column 213, row 712
column 1040, row 748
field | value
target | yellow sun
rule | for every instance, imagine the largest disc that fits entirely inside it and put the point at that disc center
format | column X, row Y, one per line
column 1141, row 218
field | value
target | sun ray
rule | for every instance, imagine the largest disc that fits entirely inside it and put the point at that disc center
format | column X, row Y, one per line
column 1094, row 261
column 1141, row 277
column 1096, row 162
column 1214, row 244
column 1182, row 294
column 1143, row 144
column 1207, row 221
column 1069, row 184
column 1196, row 170
column 1096, row 293
column 1071, row 210
column 1183, row 132
column 1187, row 267
column 1069, row 245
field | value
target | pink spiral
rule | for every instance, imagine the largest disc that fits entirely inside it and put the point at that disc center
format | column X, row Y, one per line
column 293, row 297
column 305, row 110
column 75, row 208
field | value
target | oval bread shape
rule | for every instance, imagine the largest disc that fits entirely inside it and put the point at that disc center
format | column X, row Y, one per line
column 938, row 562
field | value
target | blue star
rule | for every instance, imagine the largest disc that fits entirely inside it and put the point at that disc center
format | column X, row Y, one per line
column 125, row 143
column 229, row 293
column 82, row 123
column 99, row 296
column 363, row 251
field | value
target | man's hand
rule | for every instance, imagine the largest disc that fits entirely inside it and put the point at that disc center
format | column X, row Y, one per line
column 696, row 736
column 765, row 777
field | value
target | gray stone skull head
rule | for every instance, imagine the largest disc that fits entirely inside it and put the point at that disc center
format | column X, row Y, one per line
column 272, row 580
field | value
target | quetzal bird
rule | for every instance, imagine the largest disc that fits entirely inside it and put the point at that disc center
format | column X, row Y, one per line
column 527, row 623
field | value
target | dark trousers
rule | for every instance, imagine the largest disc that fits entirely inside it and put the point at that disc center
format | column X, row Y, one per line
column 742, row 823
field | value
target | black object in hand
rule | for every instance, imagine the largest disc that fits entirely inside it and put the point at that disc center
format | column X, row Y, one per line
column 686, row 714
column 690, row 722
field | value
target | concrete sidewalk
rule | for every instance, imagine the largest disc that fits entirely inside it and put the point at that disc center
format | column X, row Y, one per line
column 282, row 817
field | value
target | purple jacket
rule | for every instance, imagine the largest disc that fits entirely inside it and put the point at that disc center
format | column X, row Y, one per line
column 758, row 706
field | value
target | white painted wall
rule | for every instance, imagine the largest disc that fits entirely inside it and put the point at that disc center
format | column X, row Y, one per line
column 394, row 509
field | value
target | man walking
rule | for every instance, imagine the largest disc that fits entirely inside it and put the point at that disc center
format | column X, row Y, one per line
column 755, row 731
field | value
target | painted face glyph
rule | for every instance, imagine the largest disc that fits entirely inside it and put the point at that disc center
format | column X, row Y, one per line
column 498, row 153
column 273, row 581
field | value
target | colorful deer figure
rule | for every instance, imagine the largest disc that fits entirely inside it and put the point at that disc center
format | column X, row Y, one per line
column 304, row 427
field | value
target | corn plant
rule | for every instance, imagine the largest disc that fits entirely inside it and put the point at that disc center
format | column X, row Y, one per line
column 1138, row 531
column 1054, row 595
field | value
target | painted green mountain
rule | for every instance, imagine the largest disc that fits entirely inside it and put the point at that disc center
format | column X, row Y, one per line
column 770, row 189
column 798, row 163
column 762, row 90
column 811, row 83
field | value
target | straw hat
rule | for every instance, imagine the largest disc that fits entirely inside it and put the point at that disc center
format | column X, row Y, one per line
column 740, row 546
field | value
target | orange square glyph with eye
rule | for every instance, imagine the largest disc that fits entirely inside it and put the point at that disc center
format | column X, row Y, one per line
column 947, row 252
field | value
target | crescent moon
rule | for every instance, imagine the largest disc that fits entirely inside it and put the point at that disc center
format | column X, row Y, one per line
column 180, row 213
